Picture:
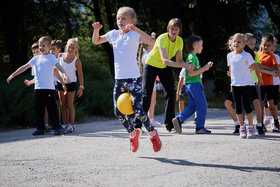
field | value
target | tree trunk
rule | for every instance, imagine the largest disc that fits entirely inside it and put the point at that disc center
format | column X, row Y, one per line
column 106, row 45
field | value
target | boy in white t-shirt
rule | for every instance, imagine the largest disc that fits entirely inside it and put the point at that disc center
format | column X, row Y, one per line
column 44, row 66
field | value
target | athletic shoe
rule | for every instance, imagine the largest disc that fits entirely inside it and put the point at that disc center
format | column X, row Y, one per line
column 134, row 142
column 155, row 123
column 276, row 126
column 64, row 126
column 250, row 132
column 38, row 132
column 70, row 129
column 275, row 129
column 156, row 141
column 260, row 131
column 59, row 131
column 202, row 131
column 243, row 133
column 272, row 125
column 236, row 131
column 267, row 121
column 177, row 125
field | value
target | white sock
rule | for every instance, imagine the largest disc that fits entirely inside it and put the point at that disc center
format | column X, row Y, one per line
column 236, row 123
column 259, row 125
column 46, row 125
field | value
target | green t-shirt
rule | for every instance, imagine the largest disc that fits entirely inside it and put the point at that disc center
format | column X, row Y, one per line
column 154, row 59
column 257, row 59
column 196, row 78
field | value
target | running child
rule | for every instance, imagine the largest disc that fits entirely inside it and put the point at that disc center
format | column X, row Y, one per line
column 194, row 89
column 44, row 66
column 125, row 41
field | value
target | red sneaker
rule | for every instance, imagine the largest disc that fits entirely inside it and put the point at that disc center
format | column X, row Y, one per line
column 134, row 142
column 156, row 141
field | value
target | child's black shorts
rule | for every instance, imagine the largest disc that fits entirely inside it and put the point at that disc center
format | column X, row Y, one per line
column 71, row 87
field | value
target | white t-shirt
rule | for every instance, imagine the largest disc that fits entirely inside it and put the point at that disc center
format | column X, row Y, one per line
column 144, row 56
column 276, row 80
column 43, row 66
column 69, row 68
column 241, row 75
column 125, row 48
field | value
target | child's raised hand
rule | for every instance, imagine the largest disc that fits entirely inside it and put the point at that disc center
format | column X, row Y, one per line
column 130, row 27
column 96, row 26
column 210, row 64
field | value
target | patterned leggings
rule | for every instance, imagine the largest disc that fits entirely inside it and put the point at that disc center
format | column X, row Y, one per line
column 134, row 87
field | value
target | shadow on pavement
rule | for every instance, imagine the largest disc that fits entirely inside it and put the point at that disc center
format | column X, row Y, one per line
column 188, row 163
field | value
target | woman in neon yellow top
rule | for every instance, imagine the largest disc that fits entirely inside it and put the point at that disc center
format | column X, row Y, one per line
column 158, row 63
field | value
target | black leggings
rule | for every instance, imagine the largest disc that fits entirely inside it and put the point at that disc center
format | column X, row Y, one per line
column 242, row 96
column 166, row 78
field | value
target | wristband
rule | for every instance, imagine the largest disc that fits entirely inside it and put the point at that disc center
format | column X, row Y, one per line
column 82, row 87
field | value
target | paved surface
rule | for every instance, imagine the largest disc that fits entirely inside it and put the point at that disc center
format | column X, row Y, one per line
column 97, row 154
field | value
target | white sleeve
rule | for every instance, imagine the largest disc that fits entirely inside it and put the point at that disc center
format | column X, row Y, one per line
column 228, row 59
column 108, row 36
column 32, row 61
column 182, row 73
column 250, row 59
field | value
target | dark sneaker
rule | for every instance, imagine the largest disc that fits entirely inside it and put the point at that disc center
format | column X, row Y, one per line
column 264, row 129
column 260, row 131
column 177, row 125
column 275, row 129
column 202, row 131
column 156, row 141
column 38, row 132
column 236, row 131
column 59, row 131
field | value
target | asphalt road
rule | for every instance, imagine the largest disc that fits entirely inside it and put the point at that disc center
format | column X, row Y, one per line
column 98, row 154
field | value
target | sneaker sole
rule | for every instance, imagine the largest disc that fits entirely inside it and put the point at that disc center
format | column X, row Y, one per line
column 176, row 126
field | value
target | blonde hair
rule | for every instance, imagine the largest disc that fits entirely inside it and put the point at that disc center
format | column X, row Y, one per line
column 175, row 22
column 46, row 40
column 73, row 41
column 130, row 11
column 239, row 35
column 249, row 36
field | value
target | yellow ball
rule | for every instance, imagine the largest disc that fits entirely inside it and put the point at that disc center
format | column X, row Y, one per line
column 124, row 104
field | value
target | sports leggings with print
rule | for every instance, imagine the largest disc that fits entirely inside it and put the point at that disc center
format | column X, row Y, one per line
column 134, row 87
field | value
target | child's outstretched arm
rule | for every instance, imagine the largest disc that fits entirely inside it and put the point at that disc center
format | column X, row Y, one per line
column 257, row 70
column 206, row 67
column 17, row 72
column 55, row 72
column 60, row 68
column 144, row 37
column 179, row 60
column 96, row 38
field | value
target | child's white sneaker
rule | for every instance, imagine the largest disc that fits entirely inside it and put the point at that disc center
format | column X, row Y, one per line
column 250, row 132
column 243, row 133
